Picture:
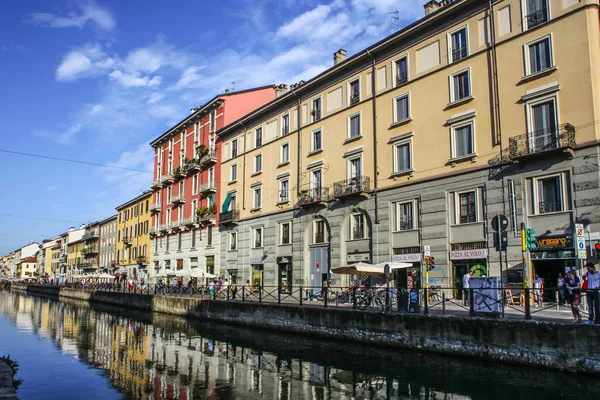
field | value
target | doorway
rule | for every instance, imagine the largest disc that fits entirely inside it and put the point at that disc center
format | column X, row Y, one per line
column 548, row 270
column 285, row 278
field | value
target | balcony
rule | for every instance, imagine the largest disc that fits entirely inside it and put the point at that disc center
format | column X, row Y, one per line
column 90, row 235
column 155, row 207
column 536, row 17
column 319, row 237
column 458, row 53
column 163, row 228
column 179, row 173
column 357, row 186
column 153, row 232
column 208, row 188
column 559, row 139
column 209, row 158
column 189, row 221
column 166, row 180
column 229, row 217
column 178, row 198
column 207, row 217
column 313, row 197
column 141, row 260
column 127, row 240
column 89, row 250
column 354, row 99
column 155, row 185
column 401, row 78
column 192, row 166
column 89, row 263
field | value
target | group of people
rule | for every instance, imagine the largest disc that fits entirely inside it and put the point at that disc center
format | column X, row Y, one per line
column 221, row 287
column 571, row 288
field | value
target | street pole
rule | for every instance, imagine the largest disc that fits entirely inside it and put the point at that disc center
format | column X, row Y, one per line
column 524, row 255
column 427, row 272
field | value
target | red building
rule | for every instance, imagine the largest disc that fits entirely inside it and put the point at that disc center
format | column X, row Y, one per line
column 187, row 179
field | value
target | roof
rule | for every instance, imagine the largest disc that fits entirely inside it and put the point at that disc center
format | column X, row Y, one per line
column 146, row 193
column 306, row 86
column 108, row 219
column 203, row 109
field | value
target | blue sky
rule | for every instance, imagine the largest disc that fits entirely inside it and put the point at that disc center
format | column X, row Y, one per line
column 97, row 80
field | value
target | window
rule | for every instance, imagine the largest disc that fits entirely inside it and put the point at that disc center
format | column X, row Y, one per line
column 357, row 227
column 196, row 132
column 354, row 126
column 213, row 120
column 467, row 207
column 536, row 12
column 316, row 140
column 257, row 163
column 195, row 184
column 284, row 190
column 284, row 233
column 258, row 237
column 233, row 240
column 258, row 137
column 169, row 194
column 543, row 130
column 315, row 112
column 181, row 186
column 179, row 239
column 319, row 231
column 459, row 47
column 462, row 140
column 401, row 71
column 209, row 234
column 460, row 86
column 401, row 109
column 285, row 153
column 257, row 198
column 402, row 157
column 404, row 216
column 354, row 91
column 285, row 125
column 549, row 195
column 316, row 183
column 233, row 173
column 234, row 148
column 538, row 56
column 355, row 168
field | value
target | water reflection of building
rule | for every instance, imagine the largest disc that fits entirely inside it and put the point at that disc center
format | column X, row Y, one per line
column 150, row 362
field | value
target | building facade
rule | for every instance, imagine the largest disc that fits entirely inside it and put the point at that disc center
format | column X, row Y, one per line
column 108, row 238
column 421, row 140
column 91, row 249
column 133, row 239
column 26, row 267
column 75, row 266
column 186, row 184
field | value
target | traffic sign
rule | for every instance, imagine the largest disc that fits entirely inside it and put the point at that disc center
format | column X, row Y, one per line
column 427, row 250
column 580, row 241
column 500, row 223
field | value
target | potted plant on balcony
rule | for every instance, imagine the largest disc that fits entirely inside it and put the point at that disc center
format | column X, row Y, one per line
column 212, row 209
column 177, row 172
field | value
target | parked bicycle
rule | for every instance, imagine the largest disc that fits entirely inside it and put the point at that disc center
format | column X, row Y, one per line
column 370, row 298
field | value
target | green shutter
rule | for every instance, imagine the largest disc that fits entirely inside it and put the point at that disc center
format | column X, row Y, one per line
column 225, row 207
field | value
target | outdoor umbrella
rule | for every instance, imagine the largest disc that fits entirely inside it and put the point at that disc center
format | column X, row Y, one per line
column 198, row 273
column 358, row 269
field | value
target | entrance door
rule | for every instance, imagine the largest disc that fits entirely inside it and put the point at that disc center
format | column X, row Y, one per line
column 257, row 275
column 319, row 266
column 285, row 278
column 548, row 270
column 459, row 271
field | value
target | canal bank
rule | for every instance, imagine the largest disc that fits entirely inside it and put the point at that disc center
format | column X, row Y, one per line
column 539, row 344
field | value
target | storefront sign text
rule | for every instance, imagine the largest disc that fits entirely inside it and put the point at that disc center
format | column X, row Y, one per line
column 559, row 242
column 468, row 254
column 406, row 258
column 354, row 257
column 284, row 260
column 231, row 264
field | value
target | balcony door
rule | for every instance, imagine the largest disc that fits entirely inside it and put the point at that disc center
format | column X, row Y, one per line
column 544, row 127
column 316, row 183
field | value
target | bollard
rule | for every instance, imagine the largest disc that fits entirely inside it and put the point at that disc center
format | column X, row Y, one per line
column 354, row 298
column 300, row 295
column 259, row 294
column 444, row 303
column 471, row 306
column 325, row 296
column 387, row 299
column 425, row 302
column 243, row 293
column 279, row 296
column 227, row 293
column 527, row 305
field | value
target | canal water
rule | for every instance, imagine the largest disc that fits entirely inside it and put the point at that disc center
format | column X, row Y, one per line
column 71, row 350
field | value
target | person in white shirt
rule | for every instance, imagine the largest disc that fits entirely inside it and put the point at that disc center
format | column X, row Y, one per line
column 592, row 293
column 466, row 283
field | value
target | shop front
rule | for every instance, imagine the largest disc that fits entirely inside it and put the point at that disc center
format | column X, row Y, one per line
column 232, row 270
column 407, row 278
column 284, row 266
column 554, row 254
column 258, row 269
column 463, row 261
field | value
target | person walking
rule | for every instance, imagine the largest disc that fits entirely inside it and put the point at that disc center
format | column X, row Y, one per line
column 538, row 285
column 592, row 293
column 211, row 289
column 573, row 285
column 561, row 289
column 466, row 284
column 234, row 288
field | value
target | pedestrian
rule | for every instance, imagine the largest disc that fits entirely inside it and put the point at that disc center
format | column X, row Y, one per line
column 219, row 284
column 538, row 285
column 324, row 289
column 466, row 284
column 248, row 287
column 211, row 289
column 573, row 285
column 561, row 289
column 225, row 287
column 234, row 288
column 592, row 293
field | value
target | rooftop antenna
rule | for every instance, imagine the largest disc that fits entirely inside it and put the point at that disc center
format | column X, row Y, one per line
column 233, row 86
column 395, row 16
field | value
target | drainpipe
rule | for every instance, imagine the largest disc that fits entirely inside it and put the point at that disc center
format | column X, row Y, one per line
column 244, row 169
column 299, row 143
column 496, row 97
column 375, row 172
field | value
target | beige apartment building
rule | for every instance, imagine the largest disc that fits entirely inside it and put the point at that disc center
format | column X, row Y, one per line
column 420, row 140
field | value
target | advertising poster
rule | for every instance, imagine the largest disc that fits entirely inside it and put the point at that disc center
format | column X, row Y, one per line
column 487, row 296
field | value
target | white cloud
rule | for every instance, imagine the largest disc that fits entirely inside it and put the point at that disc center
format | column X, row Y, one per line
column 67, row 136
column 155, row 81
column 155, row 97
column 189, row 76
column 73, row 66
column 143, row 60
column 128, row 184
column 131, row 80
column 304, row 23
column 96, row 109
column 87, row 12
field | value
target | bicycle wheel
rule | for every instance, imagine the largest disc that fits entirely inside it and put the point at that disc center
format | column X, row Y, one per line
column 379, row 303
column 362, row 303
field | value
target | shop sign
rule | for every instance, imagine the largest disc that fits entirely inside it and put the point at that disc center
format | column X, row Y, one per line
column 468, row 254
column 358, row 257
column 555, row 242
column 580, row 240
column 257, row 260
column 284, row 260
column 406, row 258
column 231, row 264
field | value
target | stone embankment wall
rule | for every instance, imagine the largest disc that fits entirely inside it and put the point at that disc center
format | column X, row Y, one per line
column 541, row 344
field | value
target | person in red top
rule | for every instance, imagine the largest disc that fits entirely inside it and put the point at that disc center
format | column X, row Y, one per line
column 573, row 285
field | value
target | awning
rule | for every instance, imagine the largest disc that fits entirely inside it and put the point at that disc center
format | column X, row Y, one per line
column 394, row 265
column 226, row 203
column 198, row 273
column 358, row 269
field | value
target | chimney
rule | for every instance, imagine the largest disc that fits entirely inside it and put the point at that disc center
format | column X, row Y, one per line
column 339, row 56
column 433, row 5
column 71, row 229
column 193, row 110
column 280, row 90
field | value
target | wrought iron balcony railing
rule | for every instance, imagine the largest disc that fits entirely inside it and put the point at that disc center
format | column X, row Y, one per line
column 127, row 240
column 401, row 78
column 207, row 217
column 90, row 235
column 320, row 237
column 543, row 140
column 155, row 207
column 354, row 99
column 209, row 158
column 313, row 196
column 178, row 198
column 166, row 179
column 358, row 233
column 229, row 216
column 537, row 17
column 549, row 206
column 285, row 130
column 284, row 195
column 353, row 186
column 155, row 184
column 468, row 218
column 459, row 52
column 193, row 165
column 208, row 187
column 316, row 114
column 405, row 224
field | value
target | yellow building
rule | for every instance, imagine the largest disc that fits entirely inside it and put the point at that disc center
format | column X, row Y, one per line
column 75, row 258
column 420, row 140
column 133, row 240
